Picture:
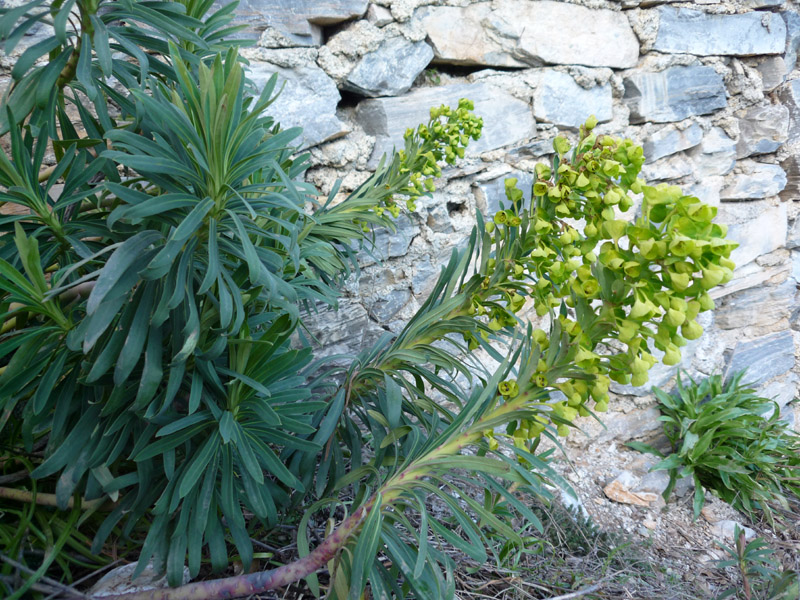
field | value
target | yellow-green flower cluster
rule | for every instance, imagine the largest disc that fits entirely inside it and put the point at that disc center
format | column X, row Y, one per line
column 443, row 138
column 573, row 252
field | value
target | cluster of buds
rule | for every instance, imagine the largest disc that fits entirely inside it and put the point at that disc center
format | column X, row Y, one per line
column 644, row 280
column 444, row 138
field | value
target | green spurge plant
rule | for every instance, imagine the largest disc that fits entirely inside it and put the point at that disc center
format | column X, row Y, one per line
column 157, row 271
column 731, row 442
column 758, row 572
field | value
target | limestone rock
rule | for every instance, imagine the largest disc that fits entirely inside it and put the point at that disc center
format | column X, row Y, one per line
column 773, row 72
column 507, row 121
column 296, row 22
column 792, row 20
column 789, row 95
column 792, row 168
column 726, row 530
column 667, row 169
column 781, row 391
column 509, row 33
column 621, row 426
column 764, row 358
column 308, row 100
column 793, row 237
column 118, row 581
column 716, row 154
column 344, row 331
column 385, row 308
column 771, row 304
column 391, row 69
column 687, row 31
column 604, row 38
column 671, row 140
column 621, row 490
column 674, row 94
column 762, row 129
column 378, row 15
column 490, row 194
column 560, row 100
column 757, row 4
column 390, row 244
column 758, row 236
column 762, row 181
column 466, row 36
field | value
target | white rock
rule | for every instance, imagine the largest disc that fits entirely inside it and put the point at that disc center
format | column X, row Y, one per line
column 507, row 120
column 726, row 530
column 379, row 15
column 716, row 154
column 509, row 33
column 558, row 99
column 761, row 235
column 760, row 181
column 682, row 30
column 670, row 140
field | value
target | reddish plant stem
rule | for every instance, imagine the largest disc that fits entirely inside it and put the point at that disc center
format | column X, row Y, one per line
column 256, row 583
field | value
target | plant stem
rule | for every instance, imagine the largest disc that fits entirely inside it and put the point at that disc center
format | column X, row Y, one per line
column 257, row 583
column 45, row 499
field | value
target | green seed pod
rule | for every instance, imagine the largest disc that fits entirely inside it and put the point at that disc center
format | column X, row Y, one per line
column 674, row 318
column 692, row 330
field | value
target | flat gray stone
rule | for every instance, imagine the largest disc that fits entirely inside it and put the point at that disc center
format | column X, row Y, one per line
column 391, row 69
column 509, row 33
column 764, row 358
column 308, row 100
column 667, row 169
column 347, row 330
column 384, row 309
column 506, row 120
column 674, row 94
column 789, row 95
column 558, row 99
column 762, row 129
column 792, row 20
column 493, row 192
column 725, row 530
column 390, row 244
column 773, row 72
column 604, row 38
column 687, row 31
column 781, row 391
column 760, row 306
column 379, row 15
column 762, row 181
column 299, row 22
column 671, row 140
column 758, row 236
column 716, row 154
column 793, row 239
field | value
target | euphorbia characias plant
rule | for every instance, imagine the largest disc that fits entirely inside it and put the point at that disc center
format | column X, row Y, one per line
column 151, row 291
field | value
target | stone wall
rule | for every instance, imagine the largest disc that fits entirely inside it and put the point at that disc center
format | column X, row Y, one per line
column 709, row 87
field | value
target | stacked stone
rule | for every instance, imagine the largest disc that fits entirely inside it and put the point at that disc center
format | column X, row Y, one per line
column 709, row 87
